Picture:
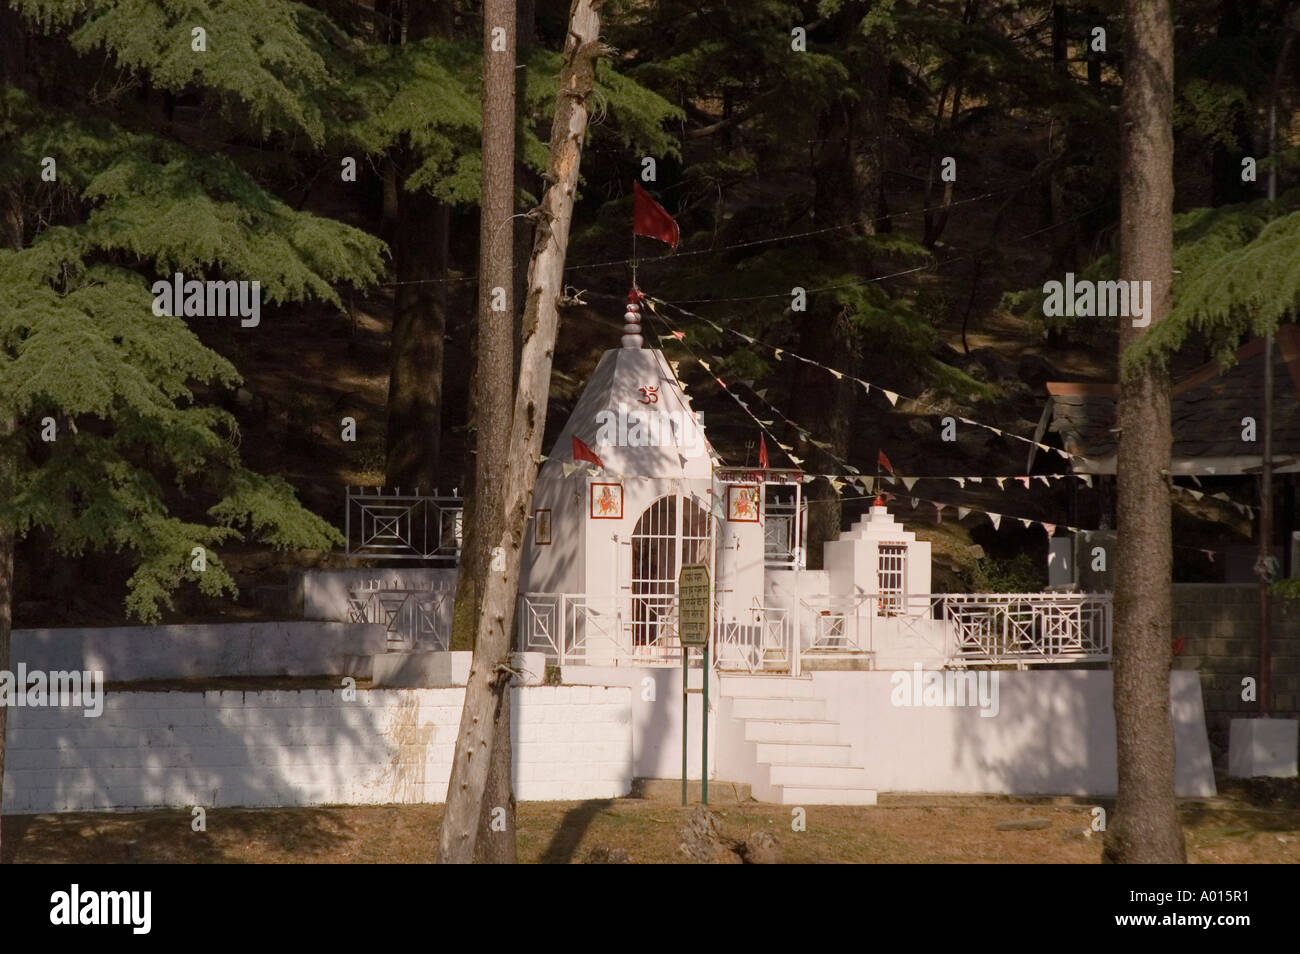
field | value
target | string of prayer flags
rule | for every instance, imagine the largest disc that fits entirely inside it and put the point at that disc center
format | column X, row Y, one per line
column 892, row 396
column 839, row 481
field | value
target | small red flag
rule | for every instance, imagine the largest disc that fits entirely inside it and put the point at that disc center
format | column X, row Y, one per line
column 883, row 461
column 582, row 452
column 651, row 219
column 762, row 453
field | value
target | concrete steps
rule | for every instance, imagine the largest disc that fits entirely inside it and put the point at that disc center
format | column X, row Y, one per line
column 794, row 731
column 804, row 753
column 793, row 752
column 777, row 707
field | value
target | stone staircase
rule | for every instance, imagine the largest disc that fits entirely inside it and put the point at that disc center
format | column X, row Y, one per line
column 778, row 738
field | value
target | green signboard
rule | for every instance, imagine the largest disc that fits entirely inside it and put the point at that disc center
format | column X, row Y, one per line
column 694, row 604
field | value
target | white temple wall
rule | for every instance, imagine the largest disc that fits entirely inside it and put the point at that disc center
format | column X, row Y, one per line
column 556, row 567
column 741, row 565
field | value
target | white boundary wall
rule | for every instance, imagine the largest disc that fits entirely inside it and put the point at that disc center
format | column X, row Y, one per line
column 286, row 748
column 129, row 653
column 1054, row 734
column 656, row 700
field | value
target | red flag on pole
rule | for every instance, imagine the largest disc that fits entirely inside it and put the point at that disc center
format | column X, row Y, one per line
column 762, row 453
column 883, row 461
column 582, row 452
column 652, row 219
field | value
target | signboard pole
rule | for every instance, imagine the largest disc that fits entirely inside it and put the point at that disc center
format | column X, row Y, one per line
column 686, row 709
column 704, row 738
column 694, row 628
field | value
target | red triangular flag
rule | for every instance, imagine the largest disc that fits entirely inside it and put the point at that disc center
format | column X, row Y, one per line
column 652, row 219
column 762, row 453
column 582, row 452
column 883, row 461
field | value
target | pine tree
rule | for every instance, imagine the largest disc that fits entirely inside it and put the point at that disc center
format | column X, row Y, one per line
column 143, row 468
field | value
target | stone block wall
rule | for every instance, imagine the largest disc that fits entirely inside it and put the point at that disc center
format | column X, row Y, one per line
column 1219, row 625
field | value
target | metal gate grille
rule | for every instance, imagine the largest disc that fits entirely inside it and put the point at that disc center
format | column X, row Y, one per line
column 668, row 534
column 891, row 577
column 697, row 534
column 654, row 569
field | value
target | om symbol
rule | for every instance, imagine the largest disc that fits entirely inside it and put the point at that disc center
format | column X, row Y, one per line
column 649, row 394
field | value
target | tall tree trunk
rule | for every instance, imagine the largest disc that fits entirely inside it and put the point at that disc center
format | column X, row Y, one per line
column 492, row 391
column 1145, row 827
column 7, row 456
column 422, row 246
column 1062, row 239
column 418, row 344
column 13, row 65
column 525, row 178
column 487, row 679
column 935, row 223
column 498, row 841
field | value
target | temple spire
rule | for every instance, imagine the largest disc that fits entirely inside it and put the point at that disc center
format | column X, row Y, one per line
column 632, row 319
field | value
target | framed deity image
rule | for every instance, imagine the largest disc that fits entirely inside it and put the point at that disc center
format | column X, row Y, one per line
column 542, row 528
column 606, row 501
column 743, row 503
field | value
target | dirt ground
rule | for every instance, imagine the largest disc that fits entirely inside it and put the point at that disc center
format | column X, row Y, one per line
column 1248, row 824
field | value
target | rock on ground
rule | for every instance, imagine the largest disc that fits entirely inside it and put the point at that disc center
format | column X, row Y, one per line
column 701, row 840
column 761, row 848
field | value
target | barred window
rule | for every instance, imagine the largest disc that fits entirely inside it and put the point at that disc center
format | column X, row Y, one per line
column 891, row 578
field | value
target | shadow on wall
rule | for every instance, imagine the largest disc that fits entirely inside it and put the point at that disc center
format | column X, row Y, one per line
column 1054, row 734
column 227, row 749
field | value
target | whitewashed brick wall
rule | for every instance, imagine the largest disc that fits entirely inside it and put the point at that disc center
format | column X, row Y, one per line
column 220, row 749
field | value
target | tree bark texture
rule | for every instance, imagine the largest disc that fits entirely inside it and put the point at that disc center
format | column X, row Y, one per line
column 518, row 470
column 1145, row 827
column 493, row 399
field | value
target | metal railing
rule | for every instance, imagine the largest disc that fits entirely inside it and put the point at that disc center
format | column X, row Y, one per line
column 1030, row 627
column 413, row 618
column 397, row 526
column 959, row 628
column 573, row 628
column 962, row 628
column 759, row 642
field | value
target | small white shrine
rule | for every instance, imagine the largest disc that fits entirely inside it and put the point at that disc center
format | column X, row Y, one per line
column 632, row 491
column 824, row 686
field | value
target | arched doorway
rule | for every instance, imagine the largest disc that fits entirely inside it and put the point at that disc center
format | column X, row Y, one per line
column 671, row 532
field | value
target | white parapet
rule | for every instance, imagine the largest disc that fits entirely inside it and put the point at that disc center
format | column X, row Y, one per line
column 422, row 670
column 1262, row 747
